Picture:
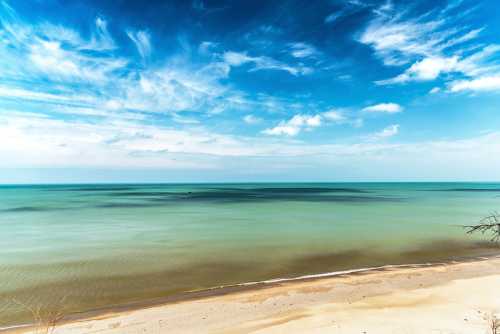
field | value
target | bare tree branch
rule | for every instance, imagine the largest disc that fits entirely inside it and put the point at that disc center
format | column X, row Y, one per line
column 488, row 225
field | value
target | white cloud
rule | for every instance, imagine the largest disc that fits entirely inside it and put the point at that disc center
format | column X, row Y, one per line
column 64, row 99
column 56, row 143
column 173, row 89
column 302, row 50
column 102, row 39
column 49, row 58
column 398, row 42
column 388, row 6
column 431, row 67
column 470, row 35
column 142, row 41
column 205, row 47
column 333, row 17
column 482, row 62
column 264, row 63
column 51, row 53
column 387, row 132
column 390, row 108
column 486, row 83
column 334, row 115
column 184, row 120
column 251, row 119
column 426, row 69
column 293, row 126
column 236, row 58
column 435, row 90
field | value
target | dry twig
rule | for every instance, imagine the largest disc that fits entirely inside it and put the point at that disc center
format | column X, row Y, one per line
column 45, row 319
column 489, row 224
column 494, row 324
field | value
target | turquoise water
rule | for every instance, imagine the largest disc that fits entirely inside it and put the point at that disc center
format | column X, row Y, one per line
column 92, row 246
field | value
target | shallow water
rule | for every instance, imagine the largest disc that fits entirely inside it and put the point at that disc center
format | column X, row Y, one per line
column 99, row 245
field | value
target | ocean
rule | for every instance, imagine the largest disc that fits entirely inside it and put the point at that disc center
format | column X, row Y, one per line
column 87, row 247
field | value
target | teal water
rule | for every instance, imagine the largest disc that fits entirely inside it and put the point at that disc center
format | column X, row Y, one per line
column 92, row 246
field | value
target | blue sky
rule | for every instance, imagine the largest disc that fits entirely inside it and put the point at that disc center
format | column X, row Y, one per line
column 176, row 91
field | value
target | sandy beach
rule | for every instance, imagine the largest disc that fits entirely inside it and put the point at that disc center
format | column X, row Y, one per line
column 458, row 297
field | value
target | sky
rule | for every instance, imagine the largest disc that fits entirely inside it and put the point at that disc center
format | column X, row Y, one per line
column 243, row 91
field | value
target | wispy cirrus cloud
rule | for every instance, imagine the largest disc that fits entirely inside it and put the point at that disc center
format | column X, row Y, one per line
column 431, row 45
column 399, row 40
column 88, row 73
column 142, row 40
column 264, row 63
column 54, row 53
column 89, row 83
column 431, row 68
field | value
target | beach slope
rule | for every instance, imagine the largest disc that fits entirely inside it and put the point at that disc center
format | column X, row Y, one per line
column 460, row 297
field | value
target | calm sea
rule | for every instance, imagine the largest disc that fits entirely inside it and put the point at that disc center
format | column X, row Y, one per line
column 91, row 246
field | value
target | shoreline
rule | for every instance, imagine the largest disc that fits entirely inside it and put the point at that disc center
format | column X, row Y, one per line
column 262, row 288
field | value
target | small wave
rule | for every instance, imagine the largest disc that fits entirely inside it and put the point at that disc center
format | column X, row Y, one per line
column 339, row 273
column 6, row 328
column 325, row 275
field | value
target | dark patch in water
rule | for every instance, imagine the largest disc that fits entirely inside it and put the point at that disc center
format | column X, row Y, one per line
column 221, row 197
column 125, row 205
column 92, row 189
column 471, row 189
column 26, row 209
column 143, row 193
column 148, row 199
column 233, row 192
column 234, row 195
column 297, row 190
column 283, row 196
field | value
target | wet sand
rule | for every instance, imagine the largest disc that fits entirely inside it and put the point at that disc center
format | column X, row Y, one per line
column 459, row 297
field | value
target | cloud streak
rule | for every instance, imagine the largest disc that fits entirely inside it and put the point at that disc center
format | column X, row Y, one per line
column 390, row 108
column 259, row 63
column 142, row 41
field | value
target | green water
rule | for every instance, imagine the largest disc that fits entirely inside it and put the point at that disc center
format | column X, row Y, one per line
column 100, row 245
